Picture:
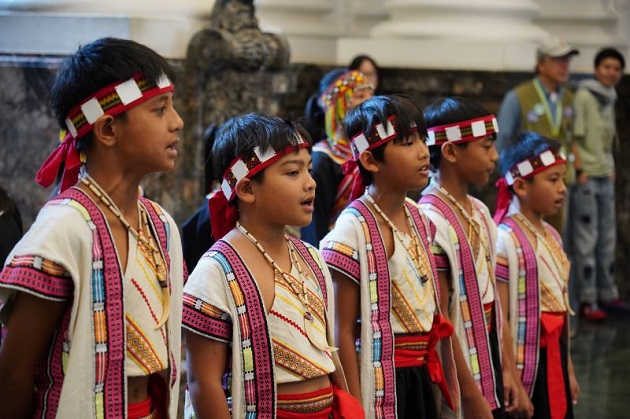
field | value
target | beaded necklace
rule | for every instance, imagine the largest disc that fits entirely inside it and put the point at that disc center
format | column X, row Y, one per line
column 473, row 225
column 419, row 256
column 297, row 285
column 144, row 238
column 560, row 259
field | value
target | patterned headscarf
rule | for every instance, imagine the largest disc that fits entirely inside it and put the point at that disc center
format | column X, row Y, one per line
column 335, row 101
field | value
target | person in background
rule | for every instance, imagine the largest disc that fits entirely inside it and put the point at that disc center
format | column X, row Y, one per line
column 197, row 230
column 366, row 65
column 10, row 229
column 592, row 198
column 543, row 104
column 340, row 91
column 10, row 224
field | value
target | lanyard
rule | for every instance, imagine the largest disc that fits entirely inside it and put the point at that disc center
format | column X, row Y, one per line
column 554, row 122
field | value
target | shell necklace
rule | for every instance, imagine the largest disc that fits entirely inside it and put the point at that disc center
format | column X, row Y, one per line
column 297, row 285
column 145, row 241
column 474, row 225
column 560, row 259
column 420, row 258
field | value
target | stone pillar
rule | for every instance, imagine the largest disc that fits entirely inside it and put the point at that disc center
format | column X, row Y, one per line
column 310, row 27
column 453, row 34
column 585, row 24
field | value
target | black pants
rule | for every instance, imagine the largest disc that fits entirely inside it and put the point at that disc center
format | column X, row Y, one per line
column 414, row 394
column 495, row 352
column 540, row 395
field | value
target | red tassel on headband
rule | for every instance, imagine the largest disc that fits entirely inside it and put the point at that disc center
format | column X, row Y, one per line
column 223, row 216
column 351, row 167
column 66, row 153
column 504, row 198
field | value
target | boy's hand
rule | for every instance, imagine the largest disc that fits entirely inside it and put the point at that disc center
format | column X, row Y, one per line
column 510, row 392
column 476, row 407
column 526, row 410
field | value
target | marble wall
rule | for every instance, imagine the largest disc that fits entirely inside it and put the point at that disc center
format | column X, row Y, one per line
column 28, row 131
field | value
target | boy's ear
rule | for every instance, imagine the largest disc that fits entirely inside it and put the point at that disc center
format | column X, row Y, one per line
column 369, row 163
column 244, row 191
column 104, row 130
column 449, row 152
column 520, row 187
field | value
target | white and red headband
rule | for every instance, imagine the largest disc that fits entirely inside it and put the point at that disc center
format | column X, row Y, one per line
column 246, row 168
column 524, row 170
column 528, row 168
column 111, row 100
column 462, row 132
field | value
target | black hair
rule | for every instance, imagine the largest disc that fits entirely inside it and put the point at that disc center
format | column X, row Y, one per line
column 314, row 120
column 528, row 144
column 450, row 110
column 609, row 53
column 358, row 60
column 240, row 135
column 377, row 110
column 209, row 136
column 99, row 64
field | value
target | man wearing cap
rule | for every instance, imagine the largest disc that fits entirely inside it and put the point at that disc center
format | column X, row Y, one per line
column 543, row 104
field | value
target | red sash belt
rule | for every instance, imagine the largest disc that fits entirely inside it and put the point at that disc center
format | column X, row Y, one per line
column 341, row 404
column 551, row 330
column 488, row 310
column 140, row 410
column 420, row 350
column 156, row 405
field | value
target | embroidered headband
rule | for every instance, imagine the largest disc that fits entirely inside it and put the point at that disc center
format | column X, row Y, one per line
column 240, row 168
column 224, row 215
column 528, row 168
column 525, row 170
column 379, row 134
column 111, row 100
column 462, row 132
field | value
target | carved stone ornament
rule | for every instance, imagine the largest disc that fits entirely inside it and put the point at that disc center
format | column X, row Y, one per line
column 234, row 40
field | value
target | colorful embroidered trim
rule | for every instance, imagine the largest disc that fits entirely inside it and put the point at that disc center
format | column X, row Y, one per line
column 379, row 134
column 240, row 168
column 530, row 167
column 113, row 100
column 465, row 131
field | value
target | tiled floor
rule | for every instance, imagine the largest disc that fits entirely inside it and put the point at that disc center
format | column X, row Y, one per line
column 601, row 356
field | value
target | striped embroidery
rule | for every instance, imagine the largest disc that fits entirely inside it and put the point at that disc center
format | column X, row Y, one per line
column 528, row 301
column 345, row 259
column 255, row 342
column 107, row 310
column 471, row 308
column 140, row 349
column 41, row 276
column 290, row 359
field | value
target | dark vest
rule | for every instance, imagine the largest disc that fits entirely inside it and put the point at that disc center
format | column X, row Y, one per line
column 533, row 118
